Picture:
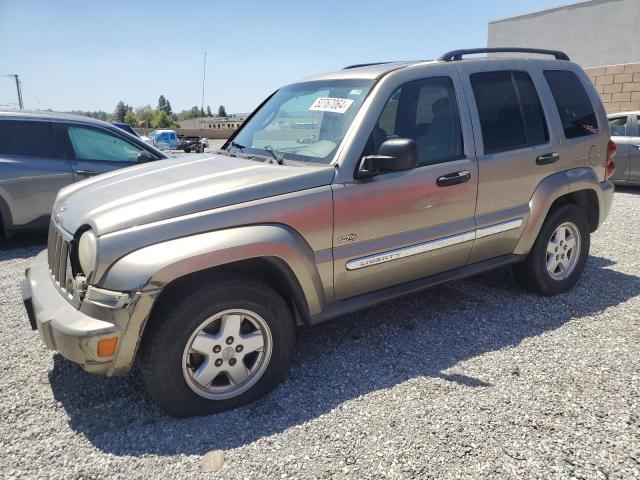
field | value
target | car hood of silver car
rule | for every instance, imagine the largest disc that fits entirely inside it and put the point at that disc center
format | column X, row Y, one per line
column 171, row 188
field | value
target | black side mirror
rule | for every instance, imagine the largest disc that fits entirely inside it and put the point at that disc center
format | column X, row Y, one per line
column 394, row 155
column 143, row 157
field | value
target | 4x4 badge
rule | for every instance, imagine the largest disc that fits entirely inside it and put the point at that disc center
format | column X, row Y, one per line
column 351, row 237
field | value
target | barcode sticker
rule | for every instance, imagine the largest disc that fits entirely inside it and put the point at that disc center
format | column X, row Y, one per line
column 329, row 104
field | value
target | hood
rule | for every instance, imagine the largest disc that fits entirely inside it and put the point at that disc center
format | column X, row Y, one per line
column 170, row 188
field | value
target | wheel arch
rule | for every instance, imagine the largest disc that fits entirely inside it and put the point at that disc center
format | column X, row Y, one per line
column 579, row 186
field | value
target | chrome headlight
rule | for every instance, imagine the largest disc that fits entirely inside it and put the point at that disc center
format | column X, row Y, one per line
column 87, row 251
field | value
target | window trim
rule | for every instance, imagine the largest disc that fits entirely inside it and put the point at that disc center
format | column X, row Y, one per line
column 520, row 109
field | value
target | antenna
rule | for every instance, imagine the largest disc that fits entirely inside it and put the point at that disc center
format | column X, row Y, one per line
column 204, row 75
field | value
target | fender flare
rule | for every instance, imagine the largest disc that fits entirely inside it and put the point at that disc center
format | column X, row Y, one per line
column 153, row 267
column 551, row 189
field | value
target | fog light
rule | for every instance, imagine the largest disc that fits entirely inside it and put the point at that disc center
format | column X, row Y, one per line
column 107, row 346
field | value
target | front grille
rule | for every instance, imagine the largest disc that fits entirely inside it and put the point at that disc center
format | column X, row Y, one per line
column 58, row 252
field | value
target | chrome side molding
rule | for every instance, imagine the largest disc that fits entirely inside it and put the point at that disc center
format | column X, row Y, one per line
column 431, row 245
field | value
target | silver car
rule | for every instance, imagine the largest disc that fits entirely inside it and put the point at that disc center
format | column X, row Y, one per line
column 41, row 152
column 625, row 132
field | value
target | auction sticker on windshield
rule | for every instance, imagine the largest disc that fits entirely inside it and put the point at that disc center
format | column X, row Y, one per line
column 329, row 104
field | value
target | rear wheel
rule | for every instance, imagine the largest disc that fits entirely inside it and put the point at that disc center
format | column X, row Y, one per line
column 223, row 346
column 559, row 254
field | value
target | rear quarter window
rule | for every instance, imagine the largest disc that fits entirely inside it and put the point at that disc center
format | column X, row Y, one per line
column 28, row 138
column 574, row 106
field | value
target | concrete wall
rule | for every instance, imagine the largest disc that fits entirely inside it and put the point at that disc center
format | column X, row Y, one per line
column 618, row 86
column 592, row 33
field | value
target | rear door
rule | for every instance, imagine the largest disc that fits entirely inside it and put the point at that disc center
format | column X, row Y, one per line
column 32, row 170
column 517, row 145
column 95, row 150
column 620, row 129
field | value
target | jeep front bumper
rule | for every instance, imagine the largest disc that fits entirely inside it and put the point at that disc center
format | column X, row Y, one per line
column 75, row 333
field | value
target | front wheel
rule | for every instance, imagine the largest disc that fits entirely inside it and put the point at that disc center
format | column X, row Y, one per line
column 559, row 254
column 223, row 346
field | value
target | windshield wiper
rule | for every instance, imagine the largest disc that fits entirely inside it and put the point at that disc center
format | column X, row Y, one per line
column 238, row 146
column 275, row 154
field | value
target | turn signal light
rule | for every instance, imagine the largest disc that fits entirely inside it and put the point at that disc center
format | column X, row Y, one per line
column 610, row 166
column 107, row 346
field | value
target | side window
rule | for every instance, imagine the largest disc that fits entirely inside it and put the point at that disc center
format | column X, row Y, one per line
column 427, row 112
column 29, row 139
column 618, row 126
column 93, row 144
column 574, row 107
column 510, row 112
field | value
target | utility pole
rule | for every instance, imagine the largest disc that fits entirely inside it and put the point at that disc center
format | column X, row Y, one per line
column 204, row 75
column 17, row 88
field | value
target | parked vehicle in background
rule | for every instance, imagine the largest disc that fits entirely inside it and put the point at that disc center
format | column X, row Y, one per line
column 625, row 132
column 41, row 152
column 164, row 139
column 126, row 127
column 417, row 173
column 192, row 144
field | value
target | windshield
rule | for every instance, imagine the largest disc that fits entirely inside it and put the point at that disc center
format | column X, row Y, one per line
column 304, row 122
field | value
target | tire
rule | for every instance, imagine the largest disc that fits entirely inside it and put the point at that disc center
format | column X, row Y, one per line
column 170, row 369
column 187, row 150
column 537, row 273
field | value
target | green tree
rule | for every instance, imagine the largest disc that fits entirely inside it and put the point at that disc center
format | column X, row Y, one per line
column 145, row 113
column 131, row 118
column 195, row 112
column 120, row 111
column 164, row 105
column 209, row 114
column 222, row 112
column 161, row 119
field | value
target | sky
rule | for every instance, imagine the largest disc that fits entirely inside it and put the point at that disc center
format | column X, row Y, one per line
column 88, row 55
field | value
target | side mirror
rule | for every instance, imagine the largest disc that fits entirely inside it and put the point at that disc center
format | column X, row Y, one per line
column 143, row 157
column 394, row 155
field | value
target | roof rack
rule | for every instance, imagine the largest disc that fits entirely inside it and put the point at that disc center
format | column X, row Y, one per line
column 357, row 65
column 454, row 55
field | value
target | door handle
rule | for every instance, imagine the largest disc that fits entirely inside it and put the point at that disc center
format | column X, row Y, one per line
column 548, row 158
column 637, row 146
column 86, row 173
column 454, row 178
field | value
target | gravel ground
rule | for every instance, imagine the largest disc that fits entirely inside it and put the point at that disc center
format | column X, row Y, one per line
column 476, row 379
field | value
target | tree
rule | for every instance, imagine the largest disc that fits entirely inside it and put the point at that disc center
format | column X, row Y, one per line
column 164, row 105
column 222, row 112
column 145, row 113
column 195, row 112
column 161, row 119
column 120, row 111
column 209, row 114
column 131, row 118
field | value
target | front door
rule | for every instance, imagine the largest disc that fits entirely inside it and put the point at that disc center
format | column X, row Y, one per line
column 634, row 150
column 620, row 129
column 95, row 151
column 401, row 226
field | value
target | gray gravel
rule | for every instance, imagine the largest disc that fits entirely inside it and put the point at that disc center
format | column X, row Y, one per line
column 476, row 379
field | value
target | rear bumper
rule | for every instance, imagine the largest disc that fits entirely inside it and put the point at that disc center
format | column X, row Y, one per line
column 607, row 189
column 62, row 327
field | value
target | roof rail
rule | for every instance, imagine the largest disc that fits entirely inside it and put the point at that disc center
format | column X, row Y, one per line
column 454, row 55
column 364, row 65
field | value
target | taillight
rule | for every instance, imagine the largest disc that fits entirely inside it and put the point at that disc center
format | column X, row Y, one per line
column 610, row 166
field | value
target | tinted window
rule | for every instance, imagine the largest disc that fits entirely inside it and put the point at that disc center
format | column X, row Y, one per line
column 93, row 144
column 33, row 139
column 510, row 112
column 427, row 112
column 617, row 126
column 574, row 107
